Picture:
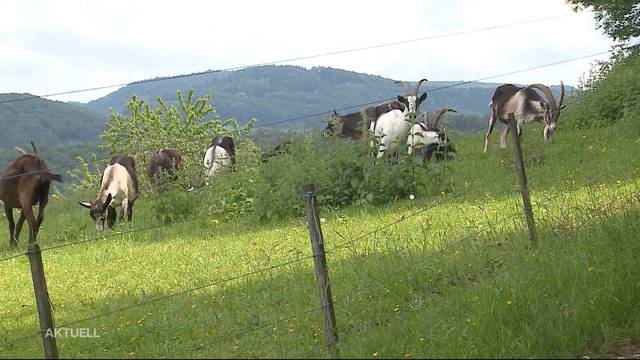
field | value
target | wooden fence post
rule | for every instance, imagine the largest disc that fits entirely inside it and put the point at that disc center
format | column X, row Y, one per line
column 522, row 179
column 322, row 272
column 47, row 329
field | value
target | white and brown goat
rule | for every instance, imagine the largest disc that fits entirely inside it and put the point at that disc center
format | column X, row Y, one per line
column 527, row 106
column 426, row 139
column 118, row 188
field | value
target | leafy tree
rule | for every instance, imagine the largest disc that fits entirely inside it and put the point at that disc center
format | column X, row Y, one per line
column 620, row 19
column 184, row 127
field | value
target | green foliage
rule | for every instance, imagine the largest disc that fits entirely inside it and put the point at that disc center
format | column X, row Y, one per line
column 620, row 19
column 608, row 94
column 83, row 178
column 187, row 127
column 343, row 172
column 454, row 281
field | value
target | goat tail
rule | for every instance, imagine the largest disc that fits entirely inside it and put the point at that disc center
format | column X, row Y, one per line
column 35, row 150
column 49, row 177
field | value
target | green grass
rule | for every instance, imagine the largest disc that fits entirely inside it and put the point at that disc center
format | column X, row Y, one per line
column 456, row 280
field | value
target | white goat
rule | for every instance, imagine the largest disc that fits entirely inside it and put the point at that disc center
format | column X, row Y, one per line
column 392, row 128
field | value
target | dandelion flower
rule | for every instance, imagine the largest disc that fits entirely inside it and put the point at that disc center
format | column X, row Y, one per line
column 375, row 354
column 508, row 302
column 411, row 197
column 322, row 220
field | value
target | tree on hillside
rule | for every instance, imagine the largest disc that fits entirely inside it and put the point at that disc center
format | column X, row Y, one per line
column 620, row 19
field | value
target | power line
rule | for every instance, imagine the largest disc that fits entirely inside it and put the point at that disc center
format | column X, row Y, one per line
column 331, row 53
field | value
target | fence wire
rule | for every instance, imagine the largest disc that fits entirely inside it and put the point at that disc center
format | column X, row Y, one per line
column 463, row 238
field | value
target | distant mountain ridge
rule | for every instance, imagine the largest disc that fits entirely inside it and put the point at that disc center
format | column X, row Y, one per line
column 46, row 122
column 272, row 93
column 279, row 92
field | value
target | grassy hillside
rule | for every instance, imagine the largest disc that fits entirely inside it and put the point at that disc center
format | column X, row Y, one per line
column 453, row 278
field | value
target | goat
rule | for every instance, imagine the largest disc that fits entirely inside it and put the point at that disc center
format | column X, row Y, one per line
column 353, row 124
column 279, row 149
column 165, row 160
column 527, row 106
column 130, row 164
column 426, row 138
column 118, row 188
column 392, row 127
column 24, row 183
column 220, row 154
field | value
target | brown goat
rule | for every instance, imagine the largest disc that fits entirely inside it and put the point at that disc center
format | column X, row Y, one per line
column 25, row 183
column 165, row 160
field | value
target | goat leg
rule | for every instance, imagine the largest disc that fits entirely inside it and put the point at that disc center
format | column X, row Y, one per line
column 492, row 123
column 129, row 211
column 13, row 242
column 19, row 227
column 111, row 216
column 503, row 137
column 27, row 212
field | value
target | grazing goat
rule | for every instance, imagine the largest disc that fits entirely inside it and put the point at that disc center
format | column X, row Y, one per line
column 392, row 128
column 352, row 125
column 279, row 149
column 220, row 154
column 426, row 138
column 118, row 188
column 130, row 164
column 527, row 106
column 24, row 183
column 164, row 161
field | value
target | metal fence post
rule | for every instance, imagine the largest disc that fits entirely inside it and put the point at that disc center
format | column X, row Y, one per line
column 47, row 329
column 322, row 272
column 522, row 179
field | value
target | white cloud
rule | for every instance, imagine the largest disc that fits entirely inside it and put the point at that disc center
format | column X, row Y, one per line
column 49, row 47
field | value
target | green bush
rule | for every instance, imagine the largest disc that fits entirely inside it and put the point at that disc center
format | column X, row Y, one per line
column 188, row 128
column 343, row 172
column 608, row 94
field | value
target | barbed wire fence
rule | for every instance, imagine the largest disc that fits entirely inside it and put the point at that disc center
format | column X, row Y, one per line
column 345, row 244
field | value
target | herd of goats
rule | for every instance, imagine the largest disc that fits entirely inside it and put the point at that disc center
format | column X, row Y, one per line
column 27, row 180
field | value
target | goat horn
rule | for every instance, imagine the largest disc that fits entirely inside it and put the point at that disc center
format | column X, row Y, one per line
column 404, row 86
column 439, row 114
column 550, row 98
column 35, row 151
column 20, row 150
column 560, row 105
column 418, row 86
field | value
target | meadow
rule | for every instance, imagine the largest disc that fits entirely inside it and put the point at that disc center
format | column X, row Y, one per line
column 447, row 274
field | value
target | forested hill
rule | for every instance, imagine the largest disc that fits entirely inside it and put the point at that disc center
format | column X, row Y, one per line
column 46, row 122
column 275, row 93
column 268, row 93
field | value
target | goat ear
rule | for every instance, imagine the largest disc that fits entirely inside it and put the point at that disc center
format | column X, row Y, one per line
column 107, row 202
column 401, row 98
column 543, row 105
column 423, row 96
column 85, row 204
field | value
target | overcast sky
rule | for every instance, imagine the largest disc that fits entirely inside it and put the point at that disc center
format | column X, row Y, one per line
column 56, row 46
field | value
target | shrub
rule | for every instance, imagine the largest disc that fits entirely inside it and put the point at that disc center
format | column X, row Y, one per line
column 608, row 94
